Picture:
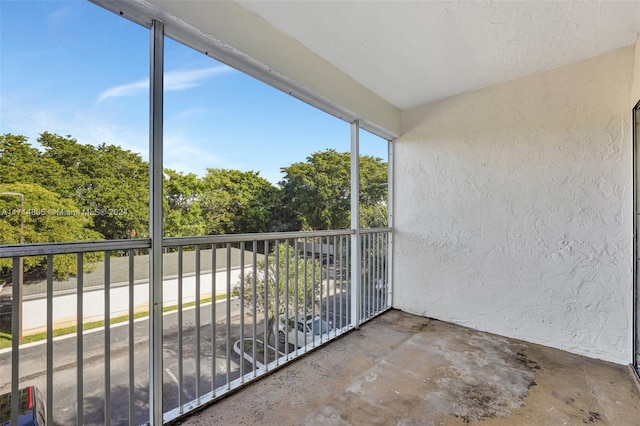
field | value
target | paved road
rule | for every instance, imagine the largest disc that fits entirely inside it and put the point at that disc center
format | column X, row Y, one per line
column 33, row 366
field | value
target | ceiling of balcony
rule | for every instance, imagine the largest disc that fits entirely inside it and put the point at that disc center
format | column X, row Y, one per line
column 415, row 52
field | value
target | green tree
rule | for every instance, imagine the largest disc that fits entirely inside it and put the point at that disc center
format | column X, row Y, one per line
column 316, row 193
column 236, row 202
column 107, row 179
column 289, row 290
column 22, row 163
column 47, row 217
column 182, row 212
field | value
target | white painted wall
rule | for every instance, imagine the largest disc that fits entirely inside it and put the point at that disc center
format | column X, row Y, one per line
column 34, row 319
column 513, row 209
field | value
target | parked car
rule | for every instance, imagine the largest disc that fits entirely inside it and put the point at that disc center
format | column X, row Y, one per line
column 303, row 327
column 32, row 410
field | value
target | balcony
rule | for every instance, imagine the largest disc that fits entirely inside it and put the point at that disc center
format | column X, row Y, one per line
column 514, row 195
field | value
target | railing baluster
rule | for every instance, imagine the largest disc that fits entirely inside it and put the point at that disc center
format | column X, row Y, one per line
column 378, row 271
column 131, row 338
column 197, row 324
column 107, row 337
column 379, row 262
column 254, row 307
column 349, row 260
column 374, row 272
column 328, row 287
column 347, row 281
column 242, row 311
column 15, row 341
column 385, row 270
column 214, row 367
column 296, row 280
column 304, row 301
column 369, row 276
column 286, row 295
column 50, row 338
column 265, row 344
column 228, row 316
column 321, row 307
column 335, row 288
column 313, row 292
column 276, row 309
column 363, row 281
column 79, row 343
column 342, row 254
column 180, row 352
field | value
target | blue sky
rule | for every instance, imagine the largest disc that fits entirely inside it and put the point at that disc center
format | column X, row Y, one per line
column 72, row 68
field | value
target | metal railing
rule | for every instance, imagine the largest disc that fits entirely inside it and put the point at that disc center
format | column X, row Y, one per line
column 375, row 273
column 236, row 307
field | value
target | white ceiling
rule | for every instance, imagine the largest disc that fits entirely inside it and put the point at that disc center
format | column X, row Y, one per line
column 415, row 52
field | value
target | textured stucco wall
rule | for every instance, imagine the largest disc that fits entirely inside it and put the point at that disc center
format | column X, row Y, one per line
column 513, row 209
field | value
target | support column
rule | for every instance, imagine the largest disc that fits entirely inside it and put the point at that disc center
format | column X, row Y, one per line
column 155, row 223
column 636, row 239
column 356, row 261
column 390, row 171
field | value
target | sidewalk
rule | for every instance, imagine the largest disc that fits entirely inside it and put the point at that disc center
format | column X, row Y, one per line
column 120, row 271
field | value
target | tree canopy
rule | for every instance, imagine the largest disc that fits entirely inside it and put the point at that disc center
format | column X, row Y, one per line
column 108, row 186
column 317, row 192
column 106, row 178
column 46, row 217
column 22, row 163
column 233, row 201
column 182, row 213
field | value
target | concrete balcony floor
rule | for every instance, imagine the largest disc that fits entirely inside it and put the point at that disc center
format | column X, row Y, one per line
column 401, row 369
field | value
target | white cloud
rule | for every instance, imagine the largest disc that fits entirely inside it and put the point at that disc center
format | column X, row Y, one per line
column 131, row 89
column 184, row 79
column 173, row 80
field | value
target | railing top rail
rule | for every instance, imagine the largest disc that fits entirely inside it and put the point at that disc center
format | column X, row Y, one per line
column 374, row 230
column 41, row 249
column 236, row 238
